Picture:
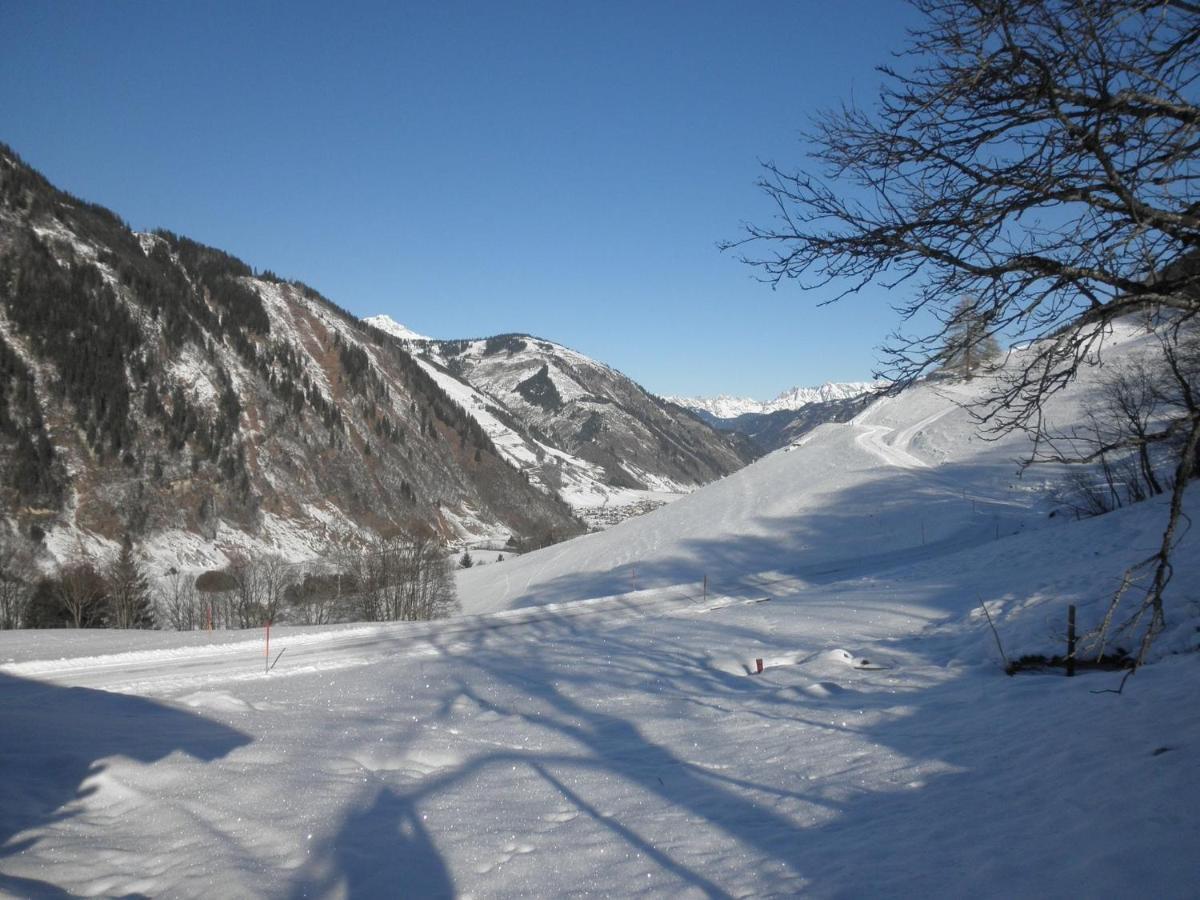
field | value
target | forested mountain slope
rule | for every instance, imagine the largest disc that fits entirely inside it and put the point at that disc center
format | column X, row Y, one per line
column 156, row 387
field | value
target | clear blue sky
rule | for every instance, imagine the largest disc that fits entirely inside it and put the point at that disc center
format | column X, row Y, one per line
column 559, row 168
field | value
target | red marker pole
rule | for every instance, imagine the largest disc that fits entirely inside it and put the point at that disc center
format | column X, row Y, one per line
column 758, row 666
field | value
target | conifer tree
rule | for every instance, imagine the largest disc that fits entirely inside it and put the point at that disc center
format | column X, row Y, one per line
column 969, row 346
column 129, row 595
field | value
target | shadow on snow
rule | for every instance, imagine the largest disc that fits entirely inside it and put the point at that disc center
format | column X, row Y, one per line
column 52, row 739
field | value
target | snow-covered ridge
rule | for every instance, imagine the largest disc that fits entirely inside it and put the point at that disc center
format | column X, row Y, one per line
column 587, row 437
column 390, row 326
column 727, row 407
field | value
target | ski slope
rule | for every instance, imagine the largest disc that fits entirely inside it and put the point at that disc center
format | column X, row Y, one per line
column 595, row 723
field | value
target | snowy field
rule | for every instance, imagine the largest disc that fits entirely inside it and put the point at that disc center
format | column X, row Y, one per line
column 592, row 724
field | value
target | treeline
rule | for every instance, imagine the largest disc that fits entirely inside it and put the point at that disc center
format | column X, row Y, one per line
column 399, row 578
column 80, row 594
column 407, row 577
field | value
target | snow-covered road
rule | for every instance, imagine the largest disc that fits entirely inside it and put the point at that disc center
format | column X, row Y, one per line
column 167, row 671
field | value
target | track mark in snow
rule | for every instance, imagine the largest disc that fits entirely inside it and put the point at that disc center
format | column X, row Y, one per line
column 510, row 851
column 905, row 438
column 828, row 662
column 413, row 764
column 872, row 440
column 823, row 690
column 895, row 451
column 219, row 701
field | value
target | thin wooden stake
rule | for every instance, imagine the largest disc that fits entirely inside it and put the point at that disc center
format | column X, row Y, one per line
column 1071, row 641
column 995, row 634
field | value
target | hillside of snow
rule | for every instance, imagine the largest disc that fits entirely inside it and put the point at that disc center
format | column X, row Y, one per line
column 596, row 723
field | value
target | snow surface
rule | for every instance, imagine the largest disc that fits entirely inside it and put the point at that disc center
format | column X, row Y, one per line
column 592, row 726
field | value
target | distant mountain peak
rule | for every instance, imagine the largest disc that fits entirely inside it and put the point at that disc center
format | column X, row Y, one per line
column 727, row 407
column 390, row 326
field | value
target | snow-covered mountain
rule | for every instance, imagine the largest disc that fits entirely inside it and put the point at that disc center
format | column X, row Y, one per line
column 154, row 387
column 777, row 423
column 727, row 407
column 573, row 425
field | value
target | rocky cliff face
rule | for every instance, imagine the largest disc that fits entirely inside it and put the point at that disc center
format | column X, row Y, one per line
column 153, row 386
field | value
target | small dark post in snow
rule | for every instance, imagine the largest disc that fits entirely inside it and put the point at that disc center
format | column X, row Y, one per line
column 1071, row 640
column 267, row 650
column 706, row 588
column 758, row 666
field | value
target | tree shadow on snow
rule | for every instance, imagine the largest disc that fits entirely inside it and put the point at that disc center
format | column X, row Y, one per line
column 380, row 850
column 965, row 756
column 960, row 812
column 52, row 739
